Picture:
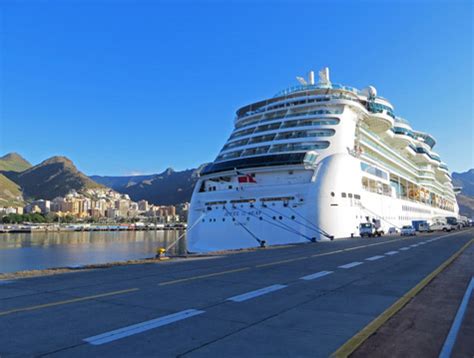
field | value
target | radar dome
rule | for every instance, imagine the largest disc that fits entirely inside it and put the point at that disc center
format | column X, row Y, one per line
column 372, row 91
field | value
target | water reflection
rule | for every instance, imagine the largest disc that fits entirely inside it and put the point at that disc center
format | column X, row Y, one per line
column 53, row 249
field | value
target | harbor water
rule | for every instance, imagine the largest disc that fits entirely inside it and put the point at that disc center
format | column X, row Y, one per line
column 42, row 250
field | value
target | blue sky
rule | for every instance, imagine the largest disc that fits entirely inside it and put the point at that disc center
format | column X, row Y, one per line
column 126, row 87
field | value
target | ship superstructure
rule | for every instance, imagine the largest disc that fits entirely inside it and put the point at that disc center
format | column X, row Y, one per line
column 314, row 162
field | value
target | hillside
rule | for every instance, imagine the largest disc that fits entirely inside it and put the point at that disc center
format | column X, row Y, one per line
column 167, row 188
column 14, row 162
column 10, row 193
column 53, row 177
column 466, row 205
column 466, row 181
column 466, row 197
column 121, row 183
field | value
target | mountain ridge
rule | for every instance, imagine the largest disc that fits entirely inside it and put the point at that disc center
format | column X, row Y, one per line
column 169, row 187
column 14, row 162
column 53, row 177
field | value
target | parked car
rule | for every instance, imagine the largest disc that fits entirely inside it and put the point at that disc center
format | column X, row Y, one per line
column 392, row 230
column 408, row 230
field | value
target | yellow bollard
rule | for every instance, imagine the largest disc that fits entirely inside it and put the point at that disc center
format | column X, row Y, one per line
column 161, row 254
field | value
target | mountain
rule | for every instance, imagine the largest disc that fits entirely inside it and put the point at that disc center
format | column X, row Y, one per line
column 14, row 162
column 466, row 205
column 53, row 177
column 10, row 193
column 466, row 181
column 121, row 183
column 466, row 197
column 167, row 188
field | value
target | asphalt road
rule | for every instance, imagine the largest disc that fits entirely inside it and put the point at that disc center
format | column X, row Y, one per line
column 302, row 300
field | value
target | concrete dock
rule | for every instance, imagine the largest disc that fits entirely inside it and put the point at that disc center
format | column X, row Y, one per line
column 299, row 301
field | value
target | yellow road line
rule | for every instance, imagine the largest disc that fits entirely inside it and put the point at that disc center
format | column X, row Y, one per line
column 283, row 261
column 65, row 302
column 280, row 262
column 353, row 343
column 202, row 276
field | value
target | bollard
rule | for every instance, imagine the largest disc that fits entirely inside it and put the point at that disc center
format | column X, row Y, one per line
column 161, row 254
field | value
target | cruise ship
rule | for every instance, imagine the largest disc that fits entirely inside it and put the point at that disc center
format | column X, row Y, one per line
column 312, row 163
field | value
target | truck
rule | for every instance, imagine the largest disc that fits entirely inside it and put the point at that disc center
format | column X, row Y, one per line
column 370, row 229
column 453, row 221
column 440, row 224
column 421, row 225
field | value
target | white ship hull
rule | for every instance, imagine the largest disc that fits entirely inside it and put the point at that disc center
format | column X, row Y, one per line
column 362, row 167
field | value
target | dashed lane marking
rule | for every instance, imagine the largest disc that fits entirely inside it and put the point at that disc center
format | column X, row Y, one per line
column 351, row 265
column 391, row 253
column 141, row 327
column 316, row 275
column 256, row 293
column 375, row 258
column 404, row 248
column 355, row 342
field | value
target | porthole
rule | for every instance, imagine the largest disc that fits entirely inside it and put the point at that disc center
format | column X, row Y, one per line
column 343, row 195
column 293, row 217
column 332, row 194
column 223, row 219
column 350, row 195
column 280, row 217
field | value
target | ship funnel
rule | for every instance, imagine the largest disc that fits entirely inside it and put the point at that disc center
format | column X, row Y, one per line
column 311, row 77
column 324, row 77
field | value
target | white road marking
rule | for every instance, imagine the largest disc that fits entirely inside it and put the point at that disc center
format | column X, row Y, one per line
column 350, row 265
column 453, row 332
column 391, row 253
column 404, row 248
column 374, row 258
column 414, row 245
column 256, row 293
column 141, row 327
column 316, row 275
column 422, row 243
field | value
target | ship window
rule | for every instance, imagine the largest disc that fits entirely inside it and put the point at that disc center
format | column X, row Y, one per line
column 237, row 143
column 293, row 147
column 343, row 195
column 350, row 195
column 255, row 151
column 263, row 138
column 356, row 196
column 268, row 127
column 242, row 133
column 332, row 193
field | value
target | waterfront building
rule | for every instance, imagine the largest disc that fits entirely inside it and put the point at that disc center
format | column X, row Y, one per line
column 143, row 205
column 312, row 163
column 122, row 206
